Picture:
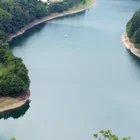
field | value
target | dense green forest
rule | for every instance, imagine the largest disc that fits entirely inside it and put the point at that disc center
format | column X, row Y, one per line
column 13, row 73
column 133, row 29
column 15, row 14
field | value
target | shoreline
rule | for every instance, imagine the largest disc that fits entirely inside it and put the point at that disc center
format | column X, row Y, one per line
column 130, row 46
column 47, row 18
column 9, row 103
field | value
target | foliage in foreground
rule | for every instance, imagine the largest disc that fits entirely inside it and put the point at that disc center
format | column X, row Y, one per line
column 107, row 135
column 133, row 29
column 13, row 138
column 103, row 135
column 14, row 79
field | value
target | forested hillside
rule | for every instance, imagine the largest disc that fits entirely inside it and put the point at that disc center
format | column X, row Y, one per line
column 133, row 29
column 14, row 77
column 15, row 14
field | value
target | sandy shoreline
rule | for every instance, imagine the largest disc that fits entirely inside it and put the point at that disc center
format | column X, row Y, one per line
column 10, row 103
column 129, row 45
column 50, row 17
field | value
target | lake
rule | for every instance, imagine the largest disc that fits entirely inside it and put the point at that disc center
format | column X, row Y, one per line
column 81, row 83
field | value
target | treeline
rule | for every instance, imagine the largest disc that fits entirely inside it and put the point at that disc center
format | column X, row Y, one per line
column 15, row 14
column 65, row 5
column 14, row 77
column 133, row 29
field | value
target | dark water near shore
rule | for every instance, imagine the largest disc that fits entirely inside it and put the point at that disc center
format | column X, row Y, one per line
column 82, row 83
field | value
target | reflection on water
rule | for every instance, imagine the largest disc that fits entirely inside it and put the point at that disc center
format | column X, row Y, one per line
column 21, row 39
column 20, row 112
column 135, row 59
column 134, row 65
column 24, row 37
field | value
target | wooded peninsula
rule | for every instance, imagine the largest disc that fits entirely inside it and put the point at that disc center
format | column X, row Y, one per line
column 14, row 16
column 131, row 38
column 133, row 29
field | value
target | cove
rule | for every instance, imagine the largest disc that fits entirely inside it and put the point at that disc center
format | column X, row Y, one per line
column 82, row 83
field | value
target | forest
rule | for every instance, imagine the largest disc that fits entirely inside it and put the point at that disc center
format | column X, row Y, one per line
column 133, row 29
column 14, row 77
column 15, row 14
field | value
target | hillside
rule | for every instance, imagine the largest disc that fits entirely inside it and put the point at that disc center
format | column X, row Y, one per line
column 15, row 14
column 133, row 29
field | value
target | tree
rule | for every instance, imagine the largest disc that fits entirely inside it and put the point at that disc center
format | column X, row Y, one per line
column 11, row 84
column 13, row 138
column 14, row 78
column 133, row 24
column 136, row 36
column 133, row 29
column 107, row 135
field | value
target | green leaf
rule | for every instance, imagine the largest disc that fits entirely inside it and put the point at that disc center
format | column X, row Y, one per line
column 101, row 131
column 13, row 138
column 95, row 135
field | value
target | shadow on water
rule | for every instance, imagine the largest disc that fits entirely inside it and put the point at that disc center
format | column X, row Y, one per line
column 18, row 41
column 135, row 59
column 135, row 64
column 22, row 38
column 16, row 113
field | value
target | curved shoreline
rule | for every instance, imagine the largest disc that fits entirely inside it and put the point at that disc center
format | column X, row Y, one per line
column 47, row 18
column 9, row 103
column 130, row 46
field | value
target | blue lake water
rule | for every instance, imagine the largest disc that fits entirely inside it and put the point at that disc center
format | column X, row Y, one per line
column 81, row 83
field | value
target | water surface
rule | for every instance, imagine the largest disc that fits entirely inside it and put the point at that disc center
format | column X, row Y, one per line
column 82, row 83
